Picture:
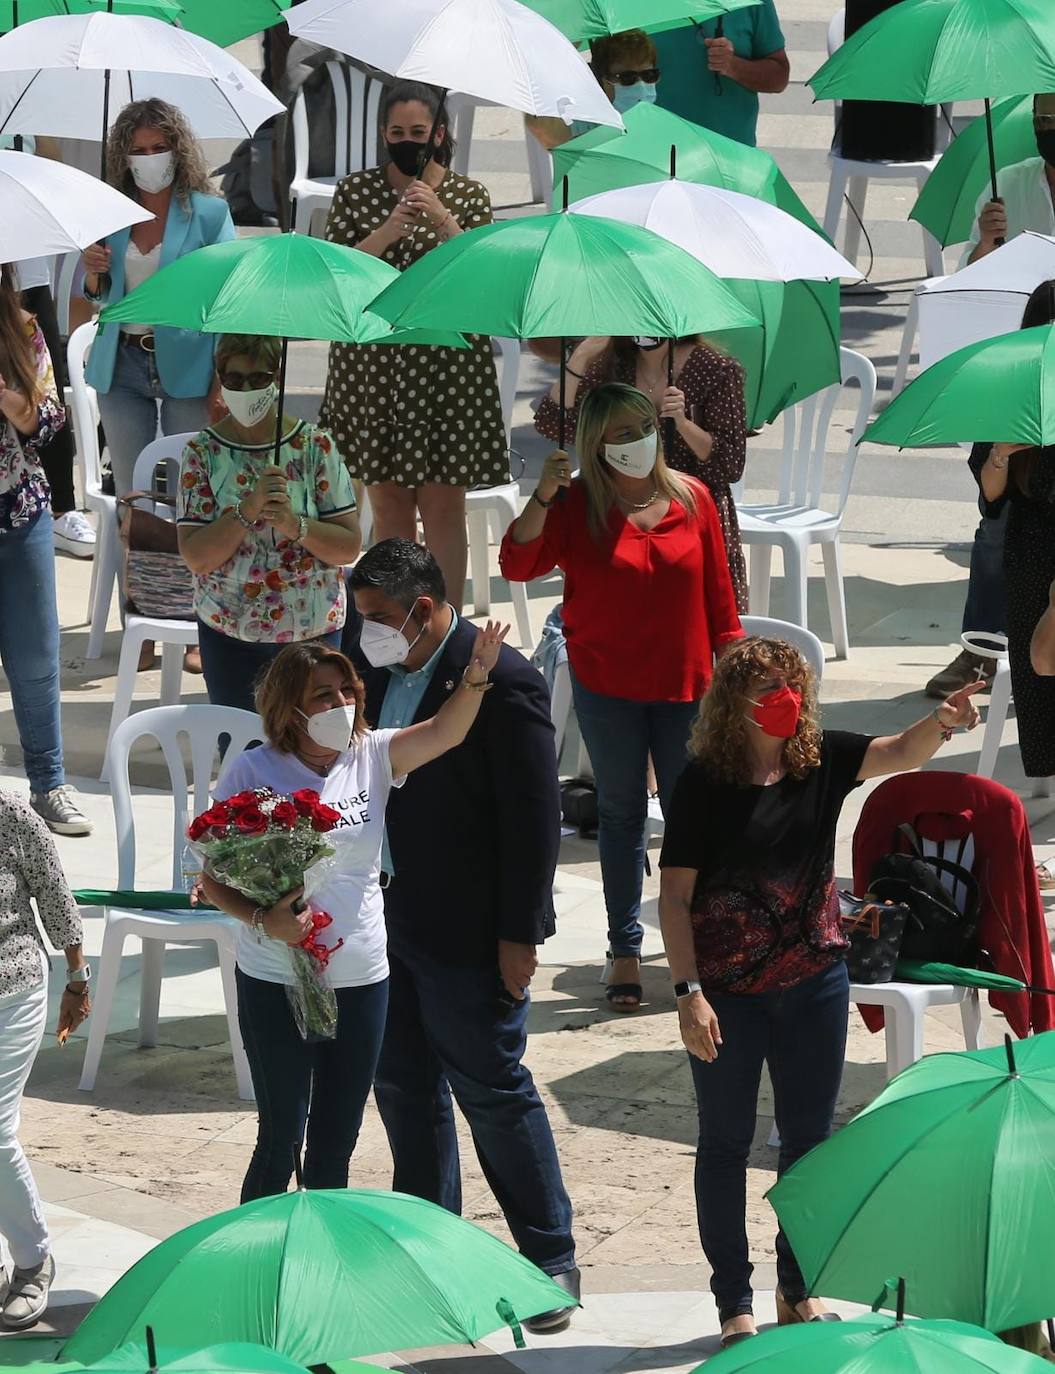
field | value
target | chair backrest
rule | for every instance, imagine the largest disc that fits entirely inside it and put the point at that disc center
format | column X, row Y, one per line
column 806, row 436
column 199, row 729
column 68, row 268
column 509, row 352
column 807, row 643
column 836, row 31
column 357, row 117
column 167, row 449
column 85, row 407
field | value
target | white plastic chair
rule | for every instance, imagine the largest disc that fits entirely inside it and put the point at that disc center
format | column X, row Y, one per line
column 462, row 110
column 85, row 407
column 201, row 727
column 989, row 646
column 173, row 635
column 67, row 267
column 357, row 100
column 807, row 643
column 796, row 520
column 905, row 1005
column 850, row 176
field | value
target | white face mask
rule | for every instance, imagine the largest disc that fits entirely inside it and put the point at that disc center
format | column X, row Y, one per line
column 636, row 458
column 152, row 171
column 648, row 342
column 332, row 729
column 249, row 407
column 383, row 646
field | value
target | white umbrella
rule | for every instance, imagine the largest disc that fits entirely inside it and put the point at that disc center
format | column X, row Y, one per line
column 49, row 208
column 736, row 236
column 69, row 75
column 982, row 300
column 496, row 50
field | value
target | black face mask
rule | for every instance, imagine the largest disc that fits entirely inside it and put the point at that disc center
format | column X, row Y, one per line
column 1046, row 145
column 407, row 155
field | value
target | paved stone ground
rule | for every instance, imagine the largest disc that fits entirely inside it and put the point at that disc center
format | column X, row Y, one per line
column 163, row 1140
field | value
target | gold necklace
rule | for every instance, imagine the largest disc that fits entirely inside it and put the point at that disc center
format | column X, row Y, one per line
column 638, row 505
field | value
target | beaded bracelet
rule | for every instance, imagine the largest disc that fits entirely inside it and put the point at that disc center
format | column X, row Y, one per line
column 947, row 731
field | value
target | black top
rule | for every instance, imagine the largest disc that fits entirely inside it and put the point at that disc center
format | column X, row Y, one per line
column 765, row 911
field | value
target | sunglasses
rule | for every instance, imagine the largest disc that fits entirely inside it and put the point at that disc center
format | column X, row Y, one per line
column 246, row 381
column 649, row 74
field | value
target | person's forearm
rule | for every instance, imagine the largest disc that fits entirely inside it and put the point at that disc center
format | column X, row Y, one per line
column 551, row 133
column 701, row 441
column 675, row 925
column 993, row 477
column 208, row 547
column 529, row 524
column 902, row 753
column 228, row 899
column 377, row 243
column 420, row 744
column 764, row 75
column 980, row 250
column 74, row 957
column 1042, row 645
column 332, row 543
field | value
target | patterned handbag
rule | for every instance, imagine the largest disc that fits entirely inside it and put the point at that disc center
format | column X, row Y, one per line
column 874, row 930
column 157, row 581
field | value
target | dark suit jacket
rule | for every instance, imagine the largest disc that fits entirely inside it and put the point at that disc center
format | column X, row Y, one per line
column 474, row 835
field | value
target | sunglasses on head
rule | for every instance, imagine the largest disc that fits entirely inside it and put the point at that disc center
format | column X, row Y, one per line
column 631, row 78
column 246, row 381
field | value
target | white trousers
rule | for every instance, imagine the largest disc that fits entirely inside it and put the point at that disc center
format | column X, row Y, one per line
column 22, row 1019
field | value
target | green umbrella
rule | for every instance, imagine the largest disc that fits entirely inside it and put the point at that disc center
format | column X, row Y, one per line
column 580, row 20
column 221, row 21
column 155, row 900
column 38, row 1353
column 874, row 1345
column 228, row 1358
column 918, row 971
column 321, row 1276
column 949, row 1178
column 946, row 204
column 1001, row 390
column 925, row 52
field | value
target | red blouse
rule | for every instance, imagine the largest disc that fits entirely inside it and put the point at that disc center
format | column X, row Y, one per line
column 644, row 611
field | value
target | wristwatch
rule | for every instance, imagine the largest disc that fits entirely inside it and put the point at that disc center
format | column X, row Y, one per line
column 687, row 988
column 80, row 976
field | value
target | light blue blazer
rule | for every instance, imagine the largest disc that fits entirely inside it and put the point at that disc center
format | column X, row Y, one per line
column 184, row 356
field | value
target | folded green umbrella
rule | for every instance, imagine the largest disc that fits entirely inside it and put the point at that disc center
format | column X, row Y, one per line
column 946, row 205
column 34, row 1352
column 581, row 20
column 134, row 900
column 220, row 21
column 916, row 971
column 1001, row 390
column 947, row 1178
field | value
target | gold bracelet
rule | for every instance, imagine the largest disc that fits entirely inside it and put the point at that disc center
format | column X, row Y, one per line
column 484, row 686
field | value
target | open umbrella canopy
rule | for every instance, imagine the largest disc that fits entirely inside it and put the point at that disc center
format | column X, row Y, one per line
column 232, row 1357
column 53, row 77
column 220, row 21
column 49, row 208
column 1001, row 390
column 15, row 12
column 927, row 51
column 947, row 1178
column 733, row 234
column 287, row 285
column 320, row 1276
column 581, row 20
column 946, row 205
column 602, row 160
column 497, row 50
column 561, row 275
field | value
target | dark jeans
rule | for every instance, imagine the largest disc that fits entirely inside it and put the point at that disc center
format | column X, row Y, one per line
column 986, row 606
column 231, row 666
column 322, row 1086
column 619, row 736
column 801, row 1034
column 450, row 1030
column 56, row 457
column 29, row 647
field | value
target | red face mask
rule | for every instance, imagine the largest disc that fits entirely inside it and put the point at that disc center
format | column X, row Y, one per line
column 777, row 714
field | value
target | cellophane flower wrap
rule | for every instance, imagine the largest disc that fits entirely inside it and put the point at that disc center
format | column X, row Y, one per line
column 265, row 845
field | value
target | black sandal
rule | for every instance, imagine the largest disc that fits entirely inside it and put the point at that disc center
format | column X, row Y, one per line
column 614, row 990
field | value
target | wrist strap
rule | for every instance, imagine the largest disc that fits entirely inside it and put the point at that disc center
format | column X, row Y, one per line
column 572, row 373
column 538, row 499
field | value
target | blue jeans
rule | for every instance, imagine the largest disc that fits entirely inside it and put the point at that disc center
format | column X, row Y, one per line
column 801, row 1034
column 231, row 667
column 129, row 412
column 322, row 1087
column 985, row 608
column 29, row 647
column 455, row 1030
column 619, row 736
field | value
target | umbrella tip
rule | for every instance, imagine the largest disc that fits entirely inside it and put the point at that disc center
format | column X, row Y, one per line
column 297, row 1169
column 152, row 1354
column 900, row 1316
column 1009, row 1048
column 673, row 161
column 564, row 194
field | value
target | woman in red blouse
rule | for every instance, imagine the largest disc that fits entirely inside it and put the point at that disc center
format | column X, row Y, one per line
column 648, row 602
column 706, row 405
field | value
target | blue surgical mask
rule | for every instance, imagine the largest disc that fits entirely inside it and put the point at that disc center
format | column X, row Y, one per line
column 640, row 93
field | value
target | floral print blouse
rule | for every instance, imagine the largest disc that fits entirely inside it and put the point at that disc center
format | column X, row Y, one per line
column 272, row 589
column 30, row 869
column 24, row 490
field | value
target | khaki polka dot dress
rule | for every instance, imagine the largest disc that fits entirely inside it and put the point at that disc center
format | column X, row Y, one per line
column 407, row 413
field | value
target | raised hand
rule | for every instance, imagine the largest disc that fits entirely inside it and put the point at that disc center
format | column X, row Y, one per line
column 959, row 709
column 489, row 641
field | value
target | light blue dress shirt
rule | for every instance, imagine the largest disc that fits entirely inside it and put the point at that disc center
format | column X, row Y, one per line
column 403, row 696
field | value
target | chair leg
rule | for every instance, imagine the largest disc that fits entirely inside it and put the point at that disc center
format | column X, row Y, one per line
column 908, row 339
column 795, row 579
column 971, row 1018
column 92, row 584
column 858, row 195
column 907, row 1017
column 834, row 209
column 105, row 578
column 833, row 581
column 104, row 989
column 151, row 970
column 131, row 642
column 999, row 701
column 479, row 561
column 759, row 575
column 242, row 1076
column 1041, row 787
column 171, row 673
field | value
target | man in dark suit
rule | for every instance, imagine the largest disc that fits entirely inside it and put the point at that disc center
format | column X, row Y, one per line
column 467, row 870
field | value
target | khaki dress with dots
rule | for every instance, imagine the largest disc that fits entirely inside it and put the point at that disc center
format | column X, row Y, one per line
column 407, row 413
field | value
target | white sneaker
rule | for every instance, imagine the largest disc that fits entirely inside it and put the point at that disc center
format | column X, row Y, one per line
column 59, row 811
column 73, row 534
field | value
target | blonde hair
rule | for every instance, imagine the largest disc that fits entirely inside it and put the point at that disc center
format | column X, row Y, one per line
column 280, row 690
column 595, row 415
column 192, row 173
column 719, row 734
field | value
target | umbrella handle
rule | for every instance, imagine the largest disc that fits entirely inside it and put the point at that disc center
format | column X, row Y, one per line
column 992, row 156
column 668, row 424
column 281, row 401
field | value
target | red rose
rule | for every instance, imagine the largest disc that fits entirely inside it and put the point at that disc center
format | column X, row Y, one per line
column 285, row 815
column 218, row 815
column 240, row 799
column 324, row 818
column 251, row 821
column 305, row 799
column 197, row 828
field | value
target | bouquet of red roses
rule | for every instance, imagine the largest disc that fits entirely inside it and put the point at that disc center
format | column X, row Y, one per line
column 264, row 845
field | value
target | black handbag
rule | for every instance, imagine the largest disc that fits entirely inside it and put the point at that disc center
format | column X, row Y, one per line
column 578, row 806
column 938, row 929
column 874, row 930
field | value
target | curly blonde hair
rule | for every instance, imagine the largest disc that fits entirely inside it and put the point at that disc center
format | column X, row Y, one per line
column 192, row 172
column 719, row 734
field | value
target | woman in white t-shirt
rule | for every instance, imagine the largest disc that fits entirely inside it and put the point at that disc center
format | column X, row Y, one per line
column 311, row 703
